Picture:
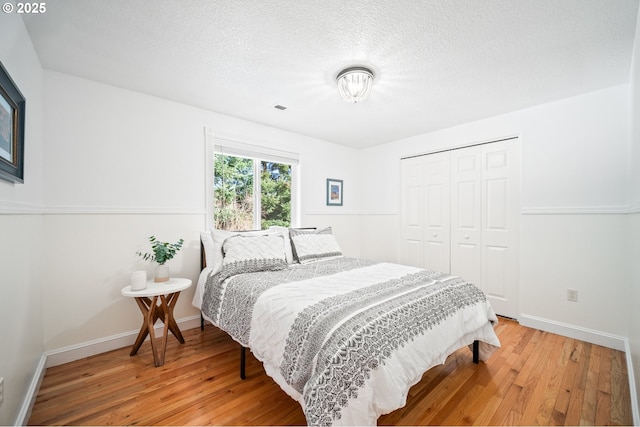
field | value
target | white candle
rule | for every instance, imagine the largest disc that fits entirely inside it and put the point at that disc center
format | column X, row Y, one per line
column 138, row 280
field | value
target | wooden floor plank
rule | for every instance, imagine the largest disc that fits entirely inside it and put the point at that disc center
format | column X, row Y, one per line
column 588, row 413
column 530, row 397
column 620, row 411
column 580, row 356
column 603, row 409
column 555, row 368
column 534, row 378
column 561, row 405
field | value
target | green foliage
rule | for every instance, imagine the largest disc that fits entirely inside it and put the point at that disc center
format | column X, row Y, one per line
column 275, row 180
column 233, row 193
column 233, row 187
column 237, row 216
column 233, row 179
column 162, row 251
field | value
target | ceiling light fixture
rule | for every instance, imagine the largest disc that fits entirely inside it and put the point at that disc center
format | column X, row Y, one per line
column 355, row 84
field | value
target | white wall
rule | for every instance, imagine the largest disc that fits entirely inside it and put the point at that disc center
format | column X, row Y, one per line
column 21, row 232
column 633, row 297
column 634, row 216
column 121, row 166
column 574, row 155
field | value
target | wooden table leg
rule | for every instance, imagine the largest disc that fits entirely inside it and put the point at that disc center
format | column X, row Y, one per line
column 165, row 329
column 152, row 311
column 173, row 326
column 144, row 303
column 151, row 319
column 171, row 301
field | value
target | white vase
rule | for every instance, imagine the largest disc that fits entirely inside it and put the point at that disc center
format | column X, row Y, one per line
column 138, row 280
column 161, row 273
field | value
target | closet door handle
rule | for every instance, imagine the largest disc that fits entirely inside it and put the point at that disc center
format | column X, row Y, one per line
column 466, row 237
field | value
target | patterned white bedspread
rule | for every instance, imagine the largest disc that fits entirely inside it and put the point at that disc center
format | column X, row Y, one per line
column 347, row 338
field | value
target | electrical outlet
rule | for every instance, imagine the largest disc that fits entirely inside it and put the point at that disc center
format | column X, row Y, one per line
column 1, row 391
column 572, row 295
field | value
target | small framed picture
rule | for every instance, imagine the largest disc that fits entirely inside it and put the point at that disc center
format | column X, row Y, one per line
column 334, row 192
column 12, row 110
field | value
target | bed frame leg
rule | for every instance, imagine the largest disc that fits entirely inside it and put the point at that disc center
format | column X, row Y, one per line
column 242, row 361
column 243, row 354
column 476, row 351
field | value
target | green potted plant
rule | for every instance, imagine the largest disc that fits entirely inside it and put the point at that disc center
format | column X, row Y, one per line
column 161, row 253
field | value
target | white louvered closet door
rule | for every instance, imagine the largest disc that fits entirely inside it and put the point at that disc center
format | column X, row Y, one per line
column 460, row 215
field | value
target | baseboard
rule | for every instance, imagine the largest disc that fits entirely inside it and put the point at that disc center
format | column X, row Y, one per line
column 635, row 410
column 102, row 345
column 572, row 331
column 32, row 393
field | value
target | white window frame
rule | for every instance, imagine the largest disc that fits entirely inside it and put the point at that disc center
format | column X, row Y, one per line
column 257, row 154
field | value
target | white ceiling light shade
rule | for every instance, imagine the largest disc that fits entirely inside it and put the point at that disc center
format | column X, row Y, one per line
column 355, row 84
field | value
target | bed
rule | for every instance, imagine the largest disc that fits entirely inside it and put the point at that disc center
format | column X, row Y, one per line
column 345, row 337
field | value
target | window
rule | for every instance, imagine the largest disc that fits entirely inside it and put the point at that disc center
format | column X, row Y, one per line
column 252, row 190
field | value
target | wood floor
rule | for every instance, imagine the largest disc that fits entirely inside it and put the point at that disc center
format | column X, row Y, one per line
column 536, row 378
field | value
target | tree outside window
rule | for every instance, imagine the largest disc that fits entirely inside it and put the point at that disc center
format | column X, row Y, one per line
column 235, row 198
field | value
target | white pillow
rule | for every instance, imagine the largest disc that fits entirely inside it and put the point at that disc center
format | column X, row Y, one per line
column 241, row 248
column 313, row 245
column 250, row 254
column 207, row 243
column 214, row 258
column 288, row 251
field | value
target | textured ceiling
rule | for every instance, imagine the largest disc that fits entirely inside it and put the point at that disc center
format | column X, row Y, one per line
column 437, row 63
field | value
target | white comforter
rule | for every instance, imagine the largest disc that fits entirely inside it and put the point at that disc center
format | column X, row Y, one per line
column 347, row 338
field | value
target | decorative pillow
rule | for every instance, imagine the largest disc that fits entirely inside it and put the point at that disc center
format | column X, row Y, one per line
column 312, row 245
column 208, row 245
column 288, row 251
column 248, row 254
column 214, row 258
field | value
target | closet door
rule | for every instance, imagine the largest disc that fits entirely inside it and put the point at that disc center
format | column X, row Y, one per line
column 484, row 221
column 412, row 218
column 426, row 238
column 500, row 203
column 437, row 212
column 460, row 215
column 466, row 214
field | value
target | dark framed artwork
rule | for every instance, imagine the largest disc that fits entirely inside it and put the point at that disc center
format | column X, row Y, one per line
column 334, row 192
column 12, row 111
